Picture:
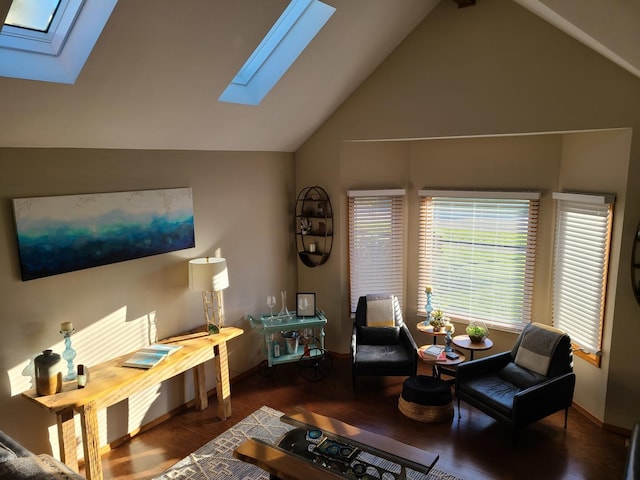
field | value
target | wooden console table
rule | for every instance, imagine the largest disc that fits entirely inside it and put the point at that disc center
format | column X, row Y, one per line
column 111, row 383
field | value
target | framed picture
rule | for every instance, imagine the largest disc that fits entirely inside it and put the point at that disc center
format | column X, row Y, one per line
column 305, row 304
column 72, row 232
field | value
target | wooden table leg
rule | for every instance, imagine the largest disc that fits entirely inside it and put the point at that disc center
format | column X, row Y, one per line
column 200, row 387
column 223, row 389
column 91, row 441
column 67, row 439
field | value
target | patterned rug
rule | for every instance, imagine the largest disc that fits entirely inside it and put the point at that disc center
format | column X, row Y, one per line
column 214, row 461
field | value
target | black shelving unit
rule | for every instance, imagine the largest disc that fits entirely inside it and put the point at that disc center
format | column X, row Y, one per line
column 314, row 226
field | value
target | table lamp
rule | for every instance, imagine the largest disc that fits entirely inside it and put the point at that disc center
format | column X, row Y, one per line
column 209, row 276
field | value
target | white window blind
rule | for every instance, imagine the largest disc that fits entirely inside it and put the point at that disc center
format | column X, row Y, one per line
column 477, row 251
column 582, row 239
column 376, row 243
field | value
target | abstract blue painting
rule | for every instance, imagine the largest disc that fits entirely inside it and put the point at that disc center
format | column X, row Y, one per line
column 72, row 232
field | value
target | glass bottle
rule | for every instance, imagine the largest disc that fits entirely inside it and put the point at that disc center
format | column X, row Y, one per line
column 284, row 313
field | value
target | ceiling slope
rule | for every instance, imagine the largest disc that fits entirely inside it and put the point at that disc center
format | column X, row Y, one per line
column 155, row 87
column 156, row 71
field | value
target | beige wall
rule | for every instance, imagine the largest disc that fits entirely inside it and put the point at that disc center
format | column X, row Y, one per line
column 489, row 70
column 237, row 197
column 492, row 70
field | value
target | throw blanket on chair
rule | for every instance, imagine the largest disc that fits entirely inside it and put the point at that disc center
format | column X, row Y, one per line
column 380, row 311
column 537, row 347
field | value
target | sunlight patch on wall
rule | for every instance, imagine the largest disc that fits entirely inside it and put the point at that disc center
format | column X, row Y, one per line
column 112, row 336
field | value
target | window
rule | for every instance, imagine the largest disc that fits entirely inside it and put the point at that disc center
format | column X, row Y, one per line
column 582, row 237
column 477, row 251
column 32, row 15
column 376, row 243
column 293, row 31
column 50, row 40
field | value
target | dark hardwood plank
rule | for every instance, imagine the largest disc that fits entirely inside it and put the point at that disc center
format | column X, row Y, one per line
column 472, row 448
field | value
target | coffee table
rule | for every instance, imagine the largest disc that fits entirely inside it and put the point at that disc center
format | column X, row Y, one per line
column 325, row 448
column 463, row 341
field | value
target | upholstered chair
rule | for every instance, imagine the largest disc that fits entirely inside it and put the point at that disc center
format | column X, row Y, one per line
column 381, row 347
column 524, row 385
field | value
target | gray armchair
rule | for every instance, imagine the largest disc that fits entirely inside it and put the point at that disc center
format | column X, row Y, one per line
column 524, row 385
column 381, row 351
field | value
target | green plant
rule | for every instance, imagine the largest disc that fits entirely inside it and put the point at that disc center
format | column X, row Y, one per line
column 437, row 318
column 477, row 332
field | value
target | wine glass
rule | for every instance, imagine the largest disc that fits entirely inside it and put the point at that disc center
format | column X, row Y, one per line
column 271, row 302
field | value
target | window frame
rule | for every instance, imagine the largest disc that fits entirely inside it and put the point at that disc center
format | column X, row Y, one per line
column 424, row 269
column 595, row 204
column 394, row 281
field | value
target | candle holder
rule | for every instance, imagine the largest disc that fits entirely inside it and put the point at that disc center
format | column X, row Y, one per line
column 428, row 308
column 69, row 354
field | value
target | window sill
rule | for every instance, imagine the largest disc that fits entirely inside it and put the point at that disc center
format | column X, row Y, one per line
column 591, row 358
column 500, row 327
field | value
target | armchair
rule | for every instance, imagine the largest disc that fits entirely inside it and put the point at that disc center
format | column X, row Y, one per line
column 524, row 385
column 381, row 350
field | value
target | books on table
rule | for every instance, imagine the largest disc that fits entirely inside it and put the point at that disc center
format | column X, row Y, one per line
column 151, row 355
column 432, row 352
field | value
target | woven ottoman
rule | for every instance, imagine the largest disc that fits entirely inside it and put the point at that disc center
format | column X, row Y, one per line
column 426, row 399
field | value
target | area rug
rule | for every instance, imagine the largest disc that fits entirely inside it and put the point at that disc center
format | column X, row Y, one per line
column 214, row 461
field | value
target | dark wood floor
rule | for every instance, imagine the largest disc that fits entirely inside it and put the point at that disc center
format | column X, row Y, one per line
column 472, row 448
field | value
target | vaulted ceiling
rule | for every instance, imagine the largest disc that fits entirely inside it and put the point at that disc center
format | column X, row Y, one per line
column 154, row 76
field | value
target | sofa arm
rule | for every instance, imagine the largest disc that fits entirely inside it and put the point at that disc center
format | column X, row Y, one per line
column 407, row 338
column 540, row 400
column 632, row 467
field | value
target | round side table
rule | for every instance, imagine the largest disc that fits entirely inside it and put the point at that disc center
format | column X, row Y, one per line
column 429, row 331
column 463, row 341
column 438, row 363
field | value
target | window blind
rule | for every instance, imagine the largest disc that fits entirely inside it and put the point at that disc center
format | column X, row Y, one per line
column 477, row 251
column 582, row 240
column 376, row 243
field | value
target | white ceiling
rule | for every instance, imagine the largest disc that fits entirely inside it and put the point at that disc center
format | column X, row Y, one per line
column 155, row 73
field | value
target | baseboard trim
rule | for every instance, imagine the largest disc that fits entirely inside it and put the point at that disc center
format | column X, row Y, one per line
column 604, row 426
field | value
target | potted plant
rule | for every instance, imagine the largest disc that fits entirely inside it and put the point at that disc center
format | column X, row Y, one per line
column 477, row 332
column 437, row 320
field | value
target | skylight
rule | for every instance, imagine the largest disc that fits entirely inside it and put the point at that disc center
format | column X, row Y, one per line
column 32, row 15
column 50, row 40
column 290, row 35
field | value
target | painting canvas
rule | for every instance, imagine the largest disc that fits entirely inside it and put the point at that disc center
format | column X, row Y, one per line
column 72, row 232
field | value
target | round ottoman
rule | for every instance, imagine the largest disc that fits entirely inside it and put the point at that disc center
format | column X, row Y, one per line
column 426, row 399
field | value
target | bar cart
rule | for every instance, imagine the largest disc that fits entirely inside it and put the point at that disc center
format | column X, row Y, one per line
column 308, row 351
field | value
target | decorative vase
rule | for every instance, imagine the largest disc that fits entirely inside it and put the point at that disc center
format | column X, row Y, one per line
column 48, row 370
column 477, row 332
column 284, row 313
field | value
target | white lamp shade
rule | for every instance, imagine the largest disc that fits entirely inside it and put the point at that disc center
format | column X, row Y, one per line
column 208, row 274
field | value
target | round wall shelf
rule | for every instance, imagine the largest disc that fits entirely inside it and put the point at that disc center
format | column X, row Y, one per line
column 314, row 226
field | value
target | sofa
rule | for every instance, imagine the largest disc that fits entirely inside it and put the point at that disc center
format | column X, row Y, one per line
column 381, row 350
column 525, row 384
column 18, row 463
